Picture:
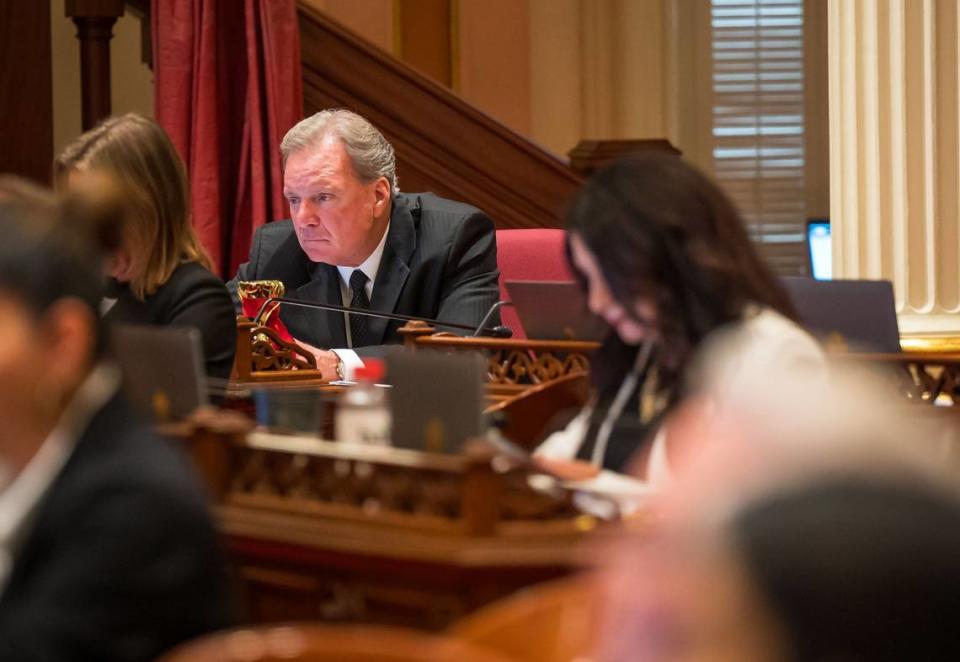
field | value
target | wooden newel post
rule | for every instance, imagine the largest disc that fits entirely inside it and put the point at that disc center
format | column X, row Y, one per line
column 94, row 20
column 413, row 330
column 481, row 489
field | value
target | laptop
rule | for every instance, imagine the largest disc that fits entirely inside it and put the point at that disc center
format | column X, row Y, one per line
column 438, row 399
column 819, row 250
column 162, row 369
column 860, row 315
column 554, row 310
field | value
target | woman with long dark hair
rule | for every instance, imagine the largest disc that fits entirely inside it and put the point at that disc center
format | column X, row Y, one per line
column 665, row 260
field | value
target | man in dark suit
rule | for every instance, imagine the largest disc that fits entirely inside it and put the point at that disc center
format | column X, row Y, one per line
column 107, row 549
column 120, row 560
column 355, row 240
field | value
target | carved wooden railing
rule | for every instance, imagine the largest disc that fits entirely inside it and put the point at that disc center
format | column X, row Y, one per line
column 513, row 366
column 333, row 531
column 443, row 144
column 923, row 377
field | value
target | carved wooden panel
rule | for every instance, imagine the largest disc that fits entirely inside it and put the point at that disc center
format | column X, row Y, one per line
column 514, row 367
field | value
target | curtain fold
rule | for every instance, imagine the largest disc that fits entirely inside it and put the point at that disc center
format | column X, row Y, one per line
column 228, row 86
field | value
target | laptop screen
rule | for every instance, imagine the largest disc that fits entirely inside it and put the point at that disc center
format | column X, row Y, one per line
column 818, row 245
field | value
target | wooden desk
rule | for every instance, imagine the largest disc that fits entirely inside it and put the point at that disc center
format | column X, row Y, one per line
column 325, row 531
column 528, row 381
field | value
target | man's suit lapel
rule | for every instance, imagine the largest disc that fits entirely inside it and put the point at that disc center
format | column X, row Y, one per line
column 394, row 270
column 323, row 328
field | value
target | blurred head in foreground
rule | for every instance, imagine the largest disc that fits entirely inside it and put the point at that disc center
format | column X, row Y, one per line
column 820, row 523
column 844, row 567
column 50, row 287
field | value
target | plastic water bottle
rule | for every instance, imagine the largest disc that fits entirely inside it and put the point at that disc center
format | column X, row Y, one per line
column 363, row 413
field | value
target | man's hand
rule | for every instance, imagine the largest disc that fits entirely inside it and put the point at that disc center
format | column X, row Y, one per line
column 327, row 361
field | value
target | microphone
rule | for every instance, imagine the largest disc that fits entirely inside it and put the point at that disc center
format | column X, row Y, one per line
column 486, row 318
column 494, row 332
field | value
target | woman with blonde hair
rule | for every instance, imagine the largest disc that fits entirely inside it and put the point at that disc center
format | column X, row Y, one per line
column 160, row 275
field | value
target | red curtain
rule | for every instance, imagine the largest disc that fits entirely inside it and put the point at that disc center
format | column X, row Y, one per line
column 227, row 81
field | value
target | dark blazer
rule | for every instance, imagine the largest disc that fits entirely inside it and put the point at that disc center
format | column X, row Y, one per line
column 121, row 561
column 439, row 261
column 192, row 296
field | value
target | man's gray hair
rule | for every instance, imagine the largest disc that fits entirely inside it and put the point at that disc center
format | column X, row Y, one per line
column 372, row 156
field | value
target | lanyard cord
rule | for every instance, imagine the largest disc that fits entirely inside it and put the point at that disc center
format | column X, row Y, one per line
column 619, row 402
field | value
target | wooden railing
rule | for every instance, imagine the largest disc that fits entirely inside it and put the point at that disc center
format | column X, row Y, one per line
column 443, row 144
column 340, row 532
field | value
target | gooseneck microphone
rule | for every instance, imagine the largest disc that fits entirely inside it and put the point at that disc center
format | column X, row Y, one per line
column 493, row 332
column 486, row 318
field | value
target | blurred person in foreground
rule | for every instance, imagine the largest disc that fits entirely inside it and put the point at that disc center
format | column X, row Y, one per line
column 159, row 275
column 665, row 260
column 842, row 567
column 107, row 551
column 820, row 522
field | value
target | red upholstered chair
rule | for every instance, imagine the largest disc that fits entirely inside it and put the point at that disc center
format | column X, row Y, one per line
column 535, row 254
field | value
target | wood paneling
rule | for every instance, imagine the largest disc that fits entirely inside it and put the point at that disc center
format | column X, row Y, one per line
column 423, row 37
column 443, row 144
column 26, row 91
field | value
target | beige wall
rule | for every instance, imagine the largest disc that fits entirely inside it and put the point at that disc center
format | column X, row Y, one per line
column 558, row 71
column 131, row 80
column 493, row 51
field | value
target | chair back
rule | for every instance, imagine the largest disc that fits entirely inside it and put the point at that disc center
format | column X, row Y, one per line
column 329, row 643
column 529, row 254
column 554, row 622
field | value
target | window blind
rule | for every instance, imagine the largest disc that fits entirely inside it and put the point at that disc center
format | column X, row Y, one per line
column 758, row 121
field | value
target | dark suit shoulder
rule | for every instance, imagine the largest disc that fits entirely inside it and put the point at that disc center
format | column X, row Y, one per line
column 193, row 297
column 119, row 452
column 122, row 560
column 430, row 204
column 276, row 230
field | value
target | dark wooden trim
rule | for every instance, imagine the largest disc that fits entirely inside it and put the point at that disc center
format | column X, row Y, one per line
column 443, row 144
column 590, row 155
column 424, row 38
column 26, row 89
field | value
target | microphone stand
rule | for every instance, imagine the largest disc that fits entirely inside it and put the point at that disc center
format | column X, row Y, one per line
column 486, row 318
column 495, row 332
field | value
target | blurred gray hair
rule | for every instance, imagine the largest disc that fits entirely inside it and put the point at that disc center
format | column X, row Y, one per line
column 372, row 156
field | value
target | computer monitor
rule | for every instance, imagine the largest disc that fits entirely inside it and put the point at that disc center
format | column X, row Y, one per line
column 162, row 369
column 860, row 315
column 819, row 249
column 554, row 310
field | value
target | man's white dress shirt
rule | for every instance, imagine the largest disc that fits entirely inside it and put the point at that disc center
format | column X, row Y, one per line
column 351, row 361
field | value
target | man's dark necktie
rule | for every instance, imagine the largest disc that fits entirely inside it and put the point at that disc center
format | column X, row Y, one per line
column 358, row 323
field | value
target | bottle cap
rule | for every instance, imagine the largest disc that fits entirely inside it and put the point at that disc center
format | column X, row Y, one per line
column 372, row 370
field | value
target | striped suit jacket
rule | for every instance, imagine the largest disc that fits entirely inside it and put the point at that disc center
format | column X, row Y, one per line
column 439, row 261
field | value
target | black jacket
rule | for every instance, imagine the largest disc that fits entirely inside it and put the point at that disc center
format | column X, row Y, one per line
column 121, row 561
column 192, row 296
column 439, row 261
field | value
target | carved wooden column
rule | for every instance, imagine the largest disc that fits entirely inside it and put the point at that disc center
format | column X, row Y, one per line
column 895, row 153
column 94, row 20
